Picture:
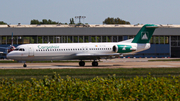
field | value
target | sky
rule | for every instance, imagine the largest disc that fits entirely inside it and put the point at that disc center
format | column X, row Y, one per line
column 96, row 11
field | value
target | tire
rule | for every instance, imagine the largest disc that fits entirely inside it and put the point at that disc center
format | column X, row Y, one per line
column 94, row 63
column 24, row 65
column 81, row 63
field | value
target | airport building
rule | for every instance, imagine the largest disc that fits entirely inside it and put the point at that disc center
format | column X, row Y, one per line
column 164, row 43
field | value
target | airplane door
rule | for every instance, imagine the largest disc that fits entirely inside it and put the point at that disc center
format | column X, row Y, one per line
column 31, row 52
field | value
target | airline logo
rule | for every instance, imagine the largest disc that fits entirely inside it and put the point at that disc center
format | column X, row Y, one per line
column 48, row 47
column 144, row 35
column 124, row 48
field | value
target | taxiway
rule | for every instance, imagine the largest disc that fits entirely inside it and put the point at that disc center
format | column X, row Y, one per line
column 114, row 63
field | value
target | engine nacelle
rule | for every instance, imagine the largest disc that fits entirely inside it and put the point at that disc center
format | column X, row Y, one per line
column 123, row 48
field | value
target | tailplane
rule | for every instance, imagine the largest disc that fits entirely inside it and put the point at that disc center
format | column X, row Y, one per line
column 145, row 34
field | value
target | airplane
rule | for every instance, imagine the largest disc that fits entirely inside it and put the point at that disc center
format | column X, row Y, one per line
column 83, row 51
column 7, row 49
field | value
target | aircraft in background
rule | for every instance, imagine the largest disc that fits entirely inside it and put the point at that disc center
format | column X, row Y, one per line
column 84, row 51
column 7, row 49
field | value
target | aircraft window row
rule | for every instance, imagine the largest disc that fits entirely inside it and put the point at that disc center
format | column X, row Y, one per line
column 19, row 49
column 74, row 49
column 99, row 48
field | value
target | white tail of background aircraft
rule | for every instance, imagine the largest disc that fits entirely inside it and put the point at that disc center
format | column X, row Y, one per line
column 83, row 51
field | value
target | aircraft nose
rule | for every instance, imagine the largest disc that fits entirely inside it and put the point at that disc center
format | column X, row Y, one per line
column 9, row 56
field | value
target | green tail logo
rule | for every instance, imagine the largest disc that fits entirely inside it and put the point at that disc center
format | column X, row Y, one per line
column 145, row 34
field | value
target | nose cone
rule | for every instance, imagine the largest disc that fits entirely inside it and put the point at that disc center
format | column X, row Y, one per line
column 10, row 55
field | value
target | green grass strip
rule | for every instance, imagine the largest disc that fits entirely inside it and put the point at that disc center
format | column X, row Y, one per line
column 165, row 60
column 27, row 74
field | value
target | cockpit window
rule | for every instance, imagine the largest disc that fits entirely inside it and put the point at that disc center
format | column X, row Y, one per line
column 19, row 49
column 16, row 49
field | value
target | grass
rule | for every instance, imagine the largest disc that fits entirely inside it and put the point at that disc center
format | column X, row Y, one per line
column 165, row 60
column 84, row 74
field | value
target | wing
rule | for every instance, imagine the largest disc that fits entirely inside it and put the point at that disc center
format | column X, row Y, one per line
column 94, row 56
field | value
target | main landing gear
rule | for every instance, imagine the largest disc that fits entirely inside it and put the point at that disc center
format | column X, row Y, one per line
column 82, row 63
column 94, row 63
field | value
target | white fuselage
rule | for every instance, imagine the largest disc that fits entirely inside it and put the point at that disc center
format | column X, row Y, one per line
column 69, row 51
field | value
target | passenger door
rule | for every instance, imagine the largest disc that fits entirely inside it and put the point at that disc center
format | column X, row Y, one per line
column 31, row 52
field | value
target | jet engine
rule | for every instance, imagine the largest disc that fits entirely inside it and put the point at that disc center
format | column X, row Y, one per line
column 123, row 48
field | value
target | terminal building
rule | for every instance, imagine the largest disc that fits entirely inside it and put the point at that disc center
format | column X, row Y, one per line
column 164, row 43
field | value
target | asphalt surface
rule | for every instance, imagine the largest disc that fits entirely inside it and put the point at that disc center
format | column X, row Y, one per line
column 114, row 63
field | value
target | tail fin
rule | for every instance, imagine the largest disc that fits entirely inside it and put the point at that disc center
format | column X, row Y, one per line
column 145, row 34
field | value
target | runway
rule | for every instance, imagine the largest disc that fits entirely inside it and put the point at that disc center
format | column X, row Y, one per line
column 114, row 63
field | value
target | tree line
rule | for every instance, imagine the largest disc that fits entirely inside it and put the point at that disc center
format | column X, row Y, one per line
column 3, row 23
column 48, row 21
column 115, row 21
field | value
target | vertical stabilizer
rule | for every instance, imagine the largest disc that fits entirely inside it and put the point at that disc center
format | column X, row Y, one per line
column 145, row 34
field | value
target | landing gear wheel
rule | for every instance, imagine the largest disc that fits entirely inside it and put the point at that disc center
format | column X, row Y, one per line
column 24, row 65
column 94, row 63
column 81, row 63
